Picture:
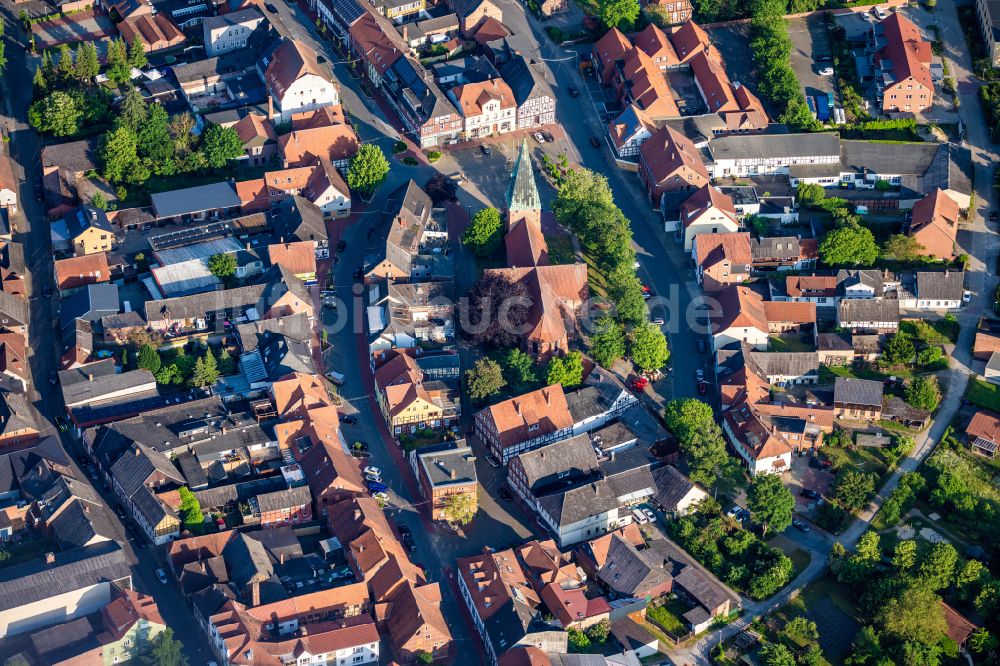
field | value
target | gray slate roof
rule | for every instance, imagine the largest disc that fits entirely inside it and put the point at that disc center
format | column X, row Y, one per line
column 794, row 364
column 671, row 487
column 851, row 391
column 298, row 219
column 940, row 285
column 439, row 466
column 284, row 499
column 103, row 384
column 72, row 570
column 853, row 310
column 775, row 146
column 195, row 199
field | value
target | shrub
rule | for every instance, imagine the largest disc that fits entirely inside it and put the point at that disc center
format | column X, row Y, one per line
column 410, row 161
column 433, row 156
column 399, row 147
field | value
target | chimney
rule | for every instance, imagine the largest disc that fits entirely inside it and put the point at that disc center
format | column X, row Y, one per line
column 136, row 452
column 270, row 107
column 90, row 376
column 454, row 474
column 357, row 514
column 281, row 558
column 50, row 558
column 254, row 594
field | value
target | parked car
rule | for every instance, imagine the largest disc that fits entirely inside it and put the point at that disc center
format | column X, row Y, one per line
column 735, row 511
column 403, row 530
column 639, row 384
column 373, row 478
column 162, row 575
column 649, row 514
column 349, row 419
column 639, row 517
column 881, row 13
column 701, row 346
column 967, row 296
column 53, row 377
column 548, row 136
column 595, row 142
column 341, row 245
column 485, row 150
column 810, row 493
column 702, row 388
column 408, row 543
column 377, row 487
column 658, row 321
column 573, row 92
column 371, row 469
column 825, row 71
column 504, row 494
column 800, row 526
column 994, row 216
column 538, row 137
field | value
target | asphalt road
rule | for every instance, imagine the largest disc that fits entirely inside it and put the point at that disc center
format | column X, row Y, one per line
column 31, row 229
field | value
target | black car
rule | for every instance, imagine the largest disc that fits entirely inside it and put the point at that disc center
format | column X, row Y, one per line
column 702, row 388
column 403, row 530
column 349, row 419
column 993, row 216
column 800, row 526
column 504, row 494
column 701, row 346
column 341, row 245
column 810, row 493
column 408, row 543
column 486, row 150
column 53, row 377
column 47, row 291
column 595, row 142
column 548, row 136
column 573, row 92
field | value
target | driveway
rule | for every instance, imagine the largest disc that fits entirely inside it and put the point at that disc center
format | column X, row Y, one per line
column 810, row 49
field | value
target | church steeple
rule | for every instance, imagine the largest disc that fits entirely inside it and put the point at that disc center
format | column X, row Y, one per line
column 522, row 195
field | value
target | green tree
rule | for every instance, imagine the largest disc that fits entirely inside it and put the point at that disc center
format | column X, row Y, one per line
column 904, row 556
column 180, row 127
column 484, row 235
column 484, row 379
column 630, row 307
column 165, row 651
column 98, row 201
column 648, row 348
column 459, row 508
column 578, row 642
column 800, row 631
column 137, row 54
column 915, row 614
column 48, row 67
column 155, row 145
column 898, row 350
column 168, row 374
column 368, row 169
column 227, row 364
column 599, row 632
column 618, row 13
column 206, row 371
column 87, row 63
column 118, row 69
column 566, row 370
column 222, row 265
column 798, row 116
column 607, row 343
column 852, row 488
column 219, row 145
column 132, row 113
column 937, row 569
column 519, row 370
column 771, row 504
column 148, row 358
column 850, row 245
column 929, row 357
column 902, row 248
column 65, row 67
column 981, row 642
column 57, row 113
column 425, row 657
column 923, row 393
column 776, row 654
column 38, row 83
column 693, row 424
column 190, row 508
column 968, row 578
column 120, row 155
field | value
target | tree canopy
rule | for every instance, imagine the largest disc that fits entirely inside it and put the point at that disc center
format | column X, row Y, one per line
column 849, row 245
column 566, row 370
column 618, row 13
column 484, row 379
column 607, row 342
column 923, row 393
column 459, row 508
column 693, row 424
column 220, row 144
column 497, row 310
column 222, row 265
column 648, row 348
column 368, row 169
column 484, row 235
column 771, row 503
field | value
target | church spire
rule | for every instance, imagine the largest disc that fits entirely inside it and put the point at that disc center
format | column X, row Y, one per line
column 522, row 195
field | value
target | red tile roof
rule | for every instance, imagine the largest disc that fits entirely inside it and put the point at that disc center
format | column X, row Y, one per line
column 934, row 224
column 707, row 197
column 332, row 142
column 909, row 52
column 545, row 410
column 291, row 61
column 82, row 270
column 667, row 151
column 789, row 311
column 732, row 247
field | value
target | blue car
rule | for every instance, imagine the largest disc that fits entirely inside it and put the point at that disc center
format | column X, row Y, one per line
column 376, row 487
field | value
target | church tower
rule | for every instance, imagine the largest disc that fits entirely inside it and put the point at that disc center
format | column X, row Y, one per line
column 523, row 202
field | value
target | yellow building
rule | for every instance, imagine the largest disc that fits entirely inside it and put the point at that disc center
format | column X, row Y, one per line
column 85, row 230
column 397, row 9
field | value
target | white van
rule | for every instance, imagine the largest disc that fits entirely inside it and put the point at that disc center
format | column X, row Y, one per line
column 639, row 517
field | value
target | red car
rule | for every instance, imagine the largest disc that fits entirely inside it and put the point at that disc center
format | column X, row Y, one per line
column 702, row 388
column 639, row 384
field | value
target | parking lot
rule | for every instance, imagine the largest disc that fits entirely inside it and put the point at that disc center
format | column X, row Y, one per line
column 811, row 52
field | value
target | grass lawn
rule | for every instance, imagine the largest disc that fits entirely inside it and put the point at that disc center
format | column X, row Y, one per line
column 984, row 394
column 827, row 373
column 865, row 459
column 25, row 552
column 669, row 616
column 938, row 332
column 598, row 281
column 788, row 343
column 560, row 249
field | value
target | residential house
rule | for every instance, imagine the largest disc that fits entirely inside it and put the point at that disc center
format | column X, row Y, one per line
column 13, row 313
column 669, row 162
column 8, row 186
column 536, row 103
column 902, row 66
column 156, row 32
column 630, row 130
column 415, row 624
column 987, row 339
column 419, row 33
column 57, row 587
column 783, row 253
column 488, row 107
column 934, row 225
column 295, row 81
column 504, row 607
column 721, row 259
column 820, row 290
column 399, row 11
column 415, row 239
column 524, row 423
column 936, row 290
column 258, row 137
column 707, row 211
column 298, row 258
column 859, row 283
column 85, row 230
column 414, row 312
column 314, row 441
column 576, row 495
column 876, row 315
column 76, row 272
column 135, row 478
column 408, row 403
column 983, row 433
column 13, row 363
column 988, row 15
column 674, row 493
column 319, row 183
column 335, row 142
column 296, row 219
column 64, row 169
column 230, row 31
column 443, row 471
column 607, row 52
column 756, row 441
column 763, row 154
column 857, row 399
column 285, row 507
column 472, row 13
column 743, row 319
column 201, row 202
column 674, row 11
column 17, row 420
column 786, row 317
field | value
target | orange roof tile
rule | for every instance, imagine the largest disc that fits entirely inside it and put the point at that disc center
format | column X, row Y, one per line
column 706, row 198
column 291, row 61
column 790, row 311
column 689, row 39
column 667, row 151
column 304, row 147
column 298, row 257
column 82, row 270
column 909, row 52
column 545, row 408
column 811, row 285
column 254, row 130
column 934, row 224
column 713, row 248
column 655, row 44
column 471, row 97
